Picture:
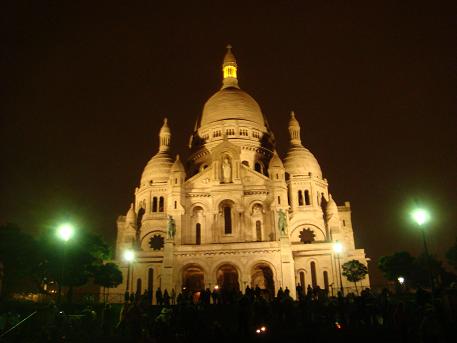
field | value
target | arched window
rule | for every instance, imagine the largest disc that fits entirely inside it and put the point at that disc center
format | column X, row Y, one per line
column 246, row 163
column 198, row 234
column 300, row 198
column 176, row 204
column 227, row 220
column 302, row 279
column 161, row 204
column 326, row 280
column 307, row 199
column 150, row 279
column 277, row 176
column 154, row 204
column 258, row 167
column 279, row 200
column 313, row 274
column 138, row 286
column 258, row 231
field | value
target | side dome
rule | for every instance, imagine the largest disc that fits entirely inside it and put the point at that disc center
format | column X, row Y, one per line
column 232, row 103
column 158, row 167
column 299, row 160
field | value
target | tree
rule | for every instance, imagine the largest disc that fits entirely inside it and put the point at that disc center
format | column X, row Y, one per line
column 415, row 269
column 354, row 271
column 399, row 264
column 108, row 276
column 451, row 255
column 20, row 257
column 81, row 258
column 429, row 263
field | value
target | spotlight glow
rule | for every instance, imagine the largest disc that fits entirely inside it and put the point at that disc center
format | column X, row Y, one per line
column 65, row 232
column 129, row 255
column 337, row 247
column 420, row 216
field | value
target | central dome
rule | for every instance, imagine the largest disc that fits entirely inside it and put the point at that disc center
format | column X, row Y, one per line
column 231, row 103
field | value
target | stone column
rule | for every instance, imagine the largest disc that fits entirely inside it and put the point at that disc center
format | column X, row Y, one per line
column 287, row 265
column 167, row 266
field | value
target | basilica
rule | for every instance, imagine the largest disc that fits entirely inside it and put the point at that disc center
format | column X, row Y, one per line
column 234, row 213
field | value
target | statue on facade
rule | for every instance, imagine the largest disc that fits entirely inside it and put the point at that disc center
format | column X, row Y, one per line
column 282, row 222
column 171, row 227
column 226, row 170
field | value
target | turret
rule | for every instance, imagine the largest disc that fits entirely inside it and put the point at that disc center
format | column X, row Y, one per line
column 130, row 218
column 276, row 168
column 177, row 172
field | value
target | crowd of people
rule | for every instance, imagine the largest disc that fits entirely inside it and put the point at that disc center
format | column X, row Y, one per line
column 255, row 314
column 316, row 316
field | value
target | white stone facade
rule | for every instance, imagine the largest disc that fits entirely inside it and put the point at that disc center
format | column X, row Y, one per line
column 226, row 205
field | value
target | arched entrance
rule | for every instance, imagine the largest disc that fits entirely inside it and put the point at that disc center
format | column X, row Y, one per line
column 262, row 276
column 193, row 278
column 227, row 278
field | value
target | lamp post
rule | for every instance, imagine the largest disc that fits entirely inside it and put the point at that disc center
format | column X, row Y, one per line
column 338, row 248
column 129, row 257
column 421, row 217
column 64, row 232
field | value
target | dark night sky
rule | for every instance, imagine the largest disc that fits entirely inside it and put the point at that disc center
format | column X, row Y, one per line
column 85, row 86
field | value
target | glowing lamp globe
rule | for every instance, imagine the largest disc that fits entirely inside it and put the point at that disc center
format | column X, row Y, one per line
column 129, row 255
column 401, row 280
column 338, row 247
column 420, row 216
column 65, row 232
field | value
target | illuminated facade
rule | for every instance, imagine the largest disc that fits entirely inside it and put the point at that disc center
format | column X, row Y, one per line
column 237, row 215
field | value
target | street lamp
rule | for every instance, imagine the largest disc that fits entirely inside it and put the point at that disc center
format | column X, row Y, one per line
column 421, row 217
column 401, row 280
column 338, row 249
column 129, row 257
column 65, row 232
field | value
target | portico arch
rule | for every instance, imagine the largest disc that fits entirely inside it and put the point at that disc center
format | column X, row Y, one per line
column 262, row 277
column 193, row 277
column 227, row 277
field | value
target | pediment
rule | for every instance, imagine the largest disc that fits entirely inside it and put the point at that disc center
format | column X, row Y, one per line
column 226, row 147
column 202, row 179
column 251, row 177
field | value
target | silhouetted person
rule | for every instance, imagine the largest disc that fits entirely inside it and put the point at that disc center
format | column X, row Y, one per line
column 166, row 298
column 173, row 296
column 159, row 297
column 280, row 294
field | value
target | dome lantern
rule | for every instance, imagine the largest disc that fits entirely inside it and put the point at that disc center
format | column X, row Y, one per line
column 164, row 136
column 294, row 130
column 229, row 69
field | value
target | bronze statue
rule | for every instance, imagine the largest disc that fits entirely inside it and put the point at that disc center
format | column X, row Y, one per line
column 171, row 227
column 282, row 222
